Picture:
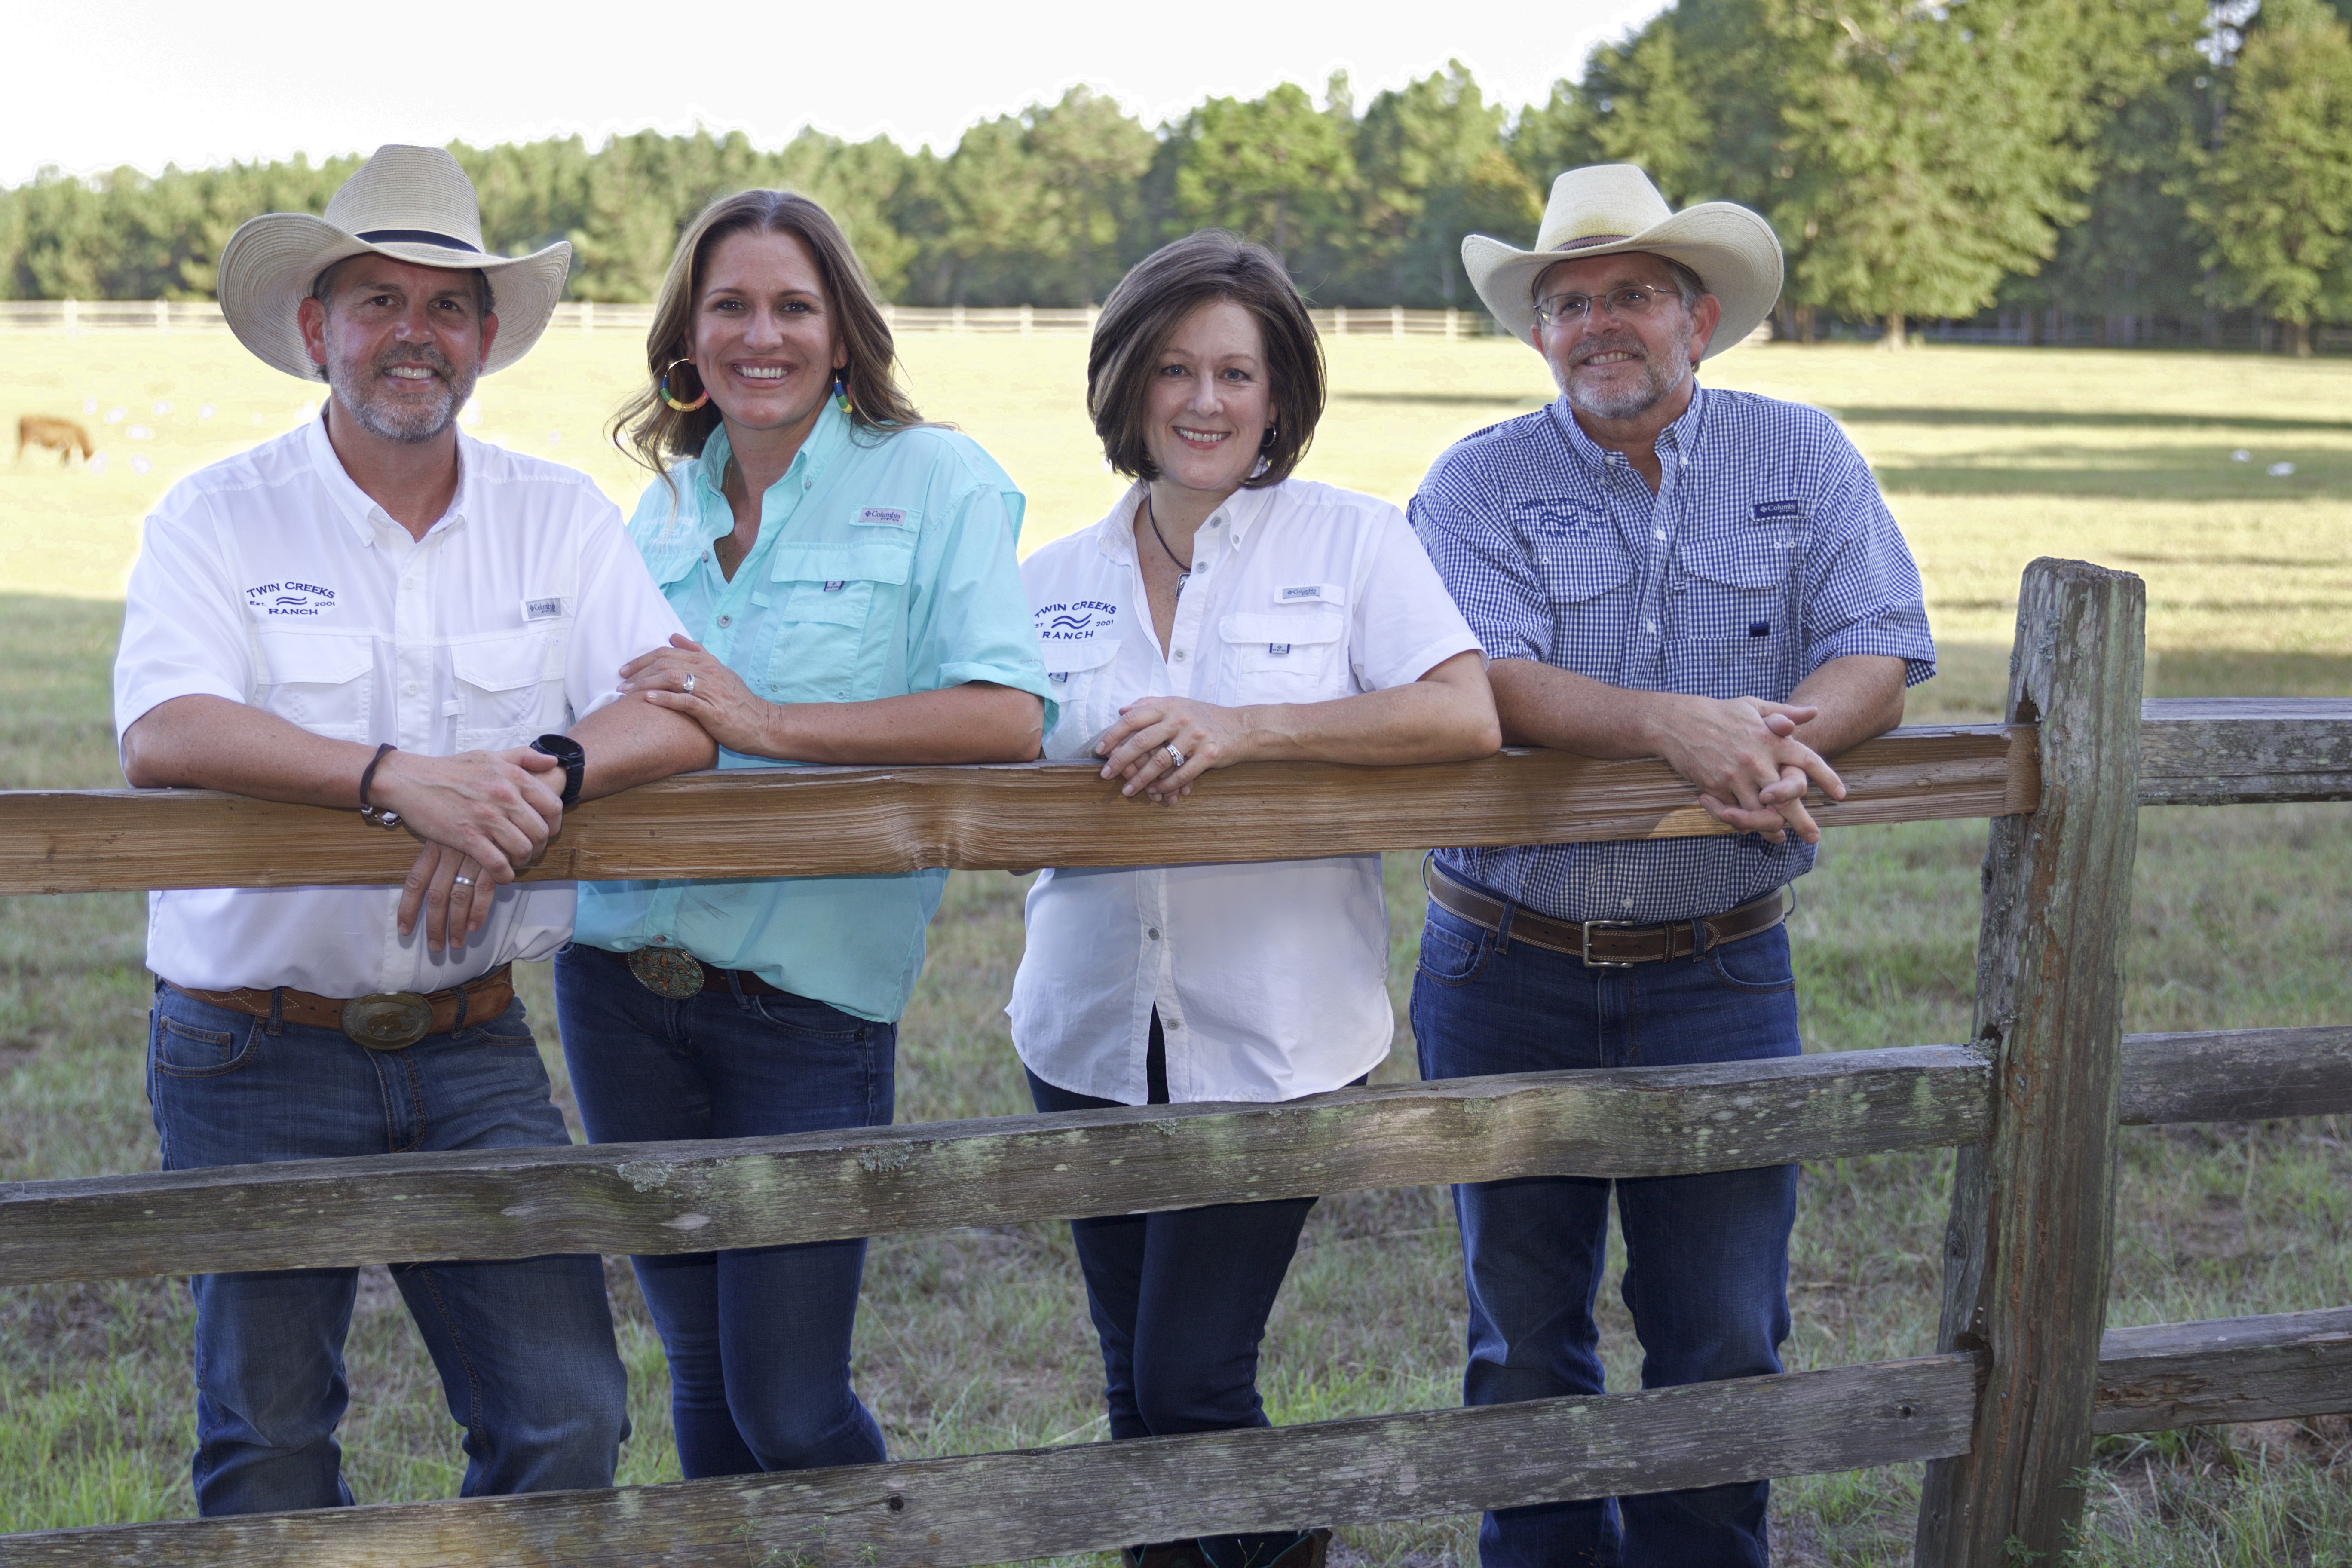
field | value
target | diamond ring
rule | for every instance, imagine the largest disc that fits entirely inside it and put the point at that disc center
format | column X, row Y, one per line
column 688, row 686
column 1175, row 757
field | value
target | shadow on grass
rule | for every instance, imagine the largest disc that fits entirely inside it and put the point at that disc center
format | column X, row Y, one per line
column 2045, row 418
column 2198, row 473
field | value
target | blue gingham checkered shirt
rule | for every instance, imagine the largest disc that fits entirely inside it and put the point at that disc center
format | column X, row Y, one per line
column 1765, row 552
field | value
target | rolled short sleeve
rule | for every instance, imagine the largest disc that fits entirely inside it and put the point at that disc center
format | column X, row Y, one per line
column 1862, row 593
column 970, row 618
column 620, row 616
column 1491, row 578
column 1404, row 623
column 181, row 632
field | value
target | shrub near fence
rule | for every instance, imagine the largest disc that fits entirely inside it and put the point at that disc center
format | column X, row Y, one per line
column 2004, row 1412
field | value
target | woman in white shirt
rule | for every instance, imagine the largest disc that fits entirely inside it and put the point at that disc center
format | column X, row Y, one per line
column 1223, row 612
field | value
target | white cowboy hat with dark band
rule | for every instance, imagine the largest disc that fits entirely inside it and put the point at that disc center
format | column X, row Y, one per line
column 412, row 204
column 1609, row 209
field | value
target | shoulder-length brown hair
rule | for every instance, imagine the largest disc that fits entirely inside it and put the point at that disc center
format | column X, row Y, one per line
column 1143, row 313
column 658, row 434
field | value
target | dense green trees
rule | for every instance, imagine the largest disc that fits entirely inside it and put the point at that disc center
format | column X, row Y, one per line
column 2128, row 161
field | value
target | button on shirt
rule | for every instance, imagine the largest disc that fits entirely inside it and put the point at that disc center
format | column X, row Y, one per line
column 271, row 579
column 1765, row 552
column 1270, row 978
column 884, row 566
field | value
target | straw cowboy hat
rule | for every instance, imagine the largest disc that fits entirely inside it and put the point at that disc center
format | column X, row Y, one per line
column 412, row 204
column 1609, row 209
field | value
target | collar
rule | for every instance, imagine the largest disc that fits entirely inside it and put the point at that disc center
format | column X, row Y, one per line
column 1243, row 510
column 827, row 439
column 358, row 510
column 1682, row 438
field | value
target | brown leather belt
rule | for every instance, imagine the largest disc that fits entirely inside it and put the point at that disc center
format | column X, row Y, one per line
column 1604, row 944
column 386, row 1021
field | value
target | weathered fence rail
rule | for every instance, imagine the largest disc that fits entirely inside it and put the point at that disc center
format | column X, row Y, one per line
column 2024, row 1376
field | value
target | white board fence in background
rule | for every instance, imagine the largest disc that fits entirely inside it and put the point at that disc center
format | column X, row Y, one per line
column 71, row 317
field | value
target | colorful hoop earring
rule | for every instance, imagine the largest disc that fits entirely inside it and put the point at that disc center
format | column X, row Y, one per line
column 674, row 403
column 841, row 391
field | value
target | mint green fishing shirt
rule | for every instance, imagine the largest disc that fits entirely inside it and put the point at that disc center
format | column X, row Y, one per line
column 884, row 566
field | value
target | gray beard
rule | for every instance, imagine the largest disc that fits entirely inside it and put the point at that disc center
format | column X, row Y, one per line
column 378, row 416
column 1629, row 403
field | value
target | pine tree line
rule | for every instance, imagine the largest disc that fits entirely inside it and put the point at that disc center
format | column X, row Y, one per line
column 2134, row 161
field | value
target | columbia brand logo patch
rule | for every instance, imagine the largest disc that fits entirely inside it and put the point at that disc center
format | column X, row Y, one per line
column 541, row 609
column 1312, row 591
column 1277, row 648
column 884, row 516
column 836, row 584
column 1768, row 509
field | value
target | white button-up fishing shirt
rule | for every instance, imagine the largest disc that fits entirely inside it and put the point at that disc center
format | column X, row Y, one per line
column 1270, row 977
column 272, row 579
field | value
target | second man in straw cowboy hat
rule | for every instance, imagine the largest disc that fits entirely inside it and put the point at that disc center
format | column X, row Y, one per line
column 377, row 614
column 1655, row 569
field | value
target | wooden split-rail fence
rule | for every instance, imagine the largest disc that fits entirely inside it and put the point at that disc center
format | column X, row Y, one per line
column 2004, row 1412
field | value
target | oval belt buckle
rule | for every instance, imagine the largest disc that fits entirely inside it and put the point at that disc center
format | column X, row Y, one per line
column 667, row 971
column 388, row 1020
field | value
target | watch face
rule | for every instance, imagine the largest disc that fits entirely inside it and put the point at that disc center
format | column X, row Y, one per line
column 562, row 748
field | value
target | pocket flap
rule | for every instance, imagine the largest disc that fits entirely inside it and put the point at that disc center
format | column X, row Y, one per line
column 321, row 658
column 1310, row 626
column 1748, row 557
column 886, row 557
column 1576, row 576
column 505, row 663
column 1085, row 653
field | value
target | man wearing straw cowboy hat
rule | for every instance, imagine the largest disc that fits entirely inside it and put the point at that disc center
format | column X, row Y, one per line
column 377, row 614
column 1655, row 569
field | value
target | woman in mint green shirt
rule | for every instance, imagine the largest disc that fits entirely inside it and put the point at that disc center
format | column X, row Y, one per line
column 849, row 573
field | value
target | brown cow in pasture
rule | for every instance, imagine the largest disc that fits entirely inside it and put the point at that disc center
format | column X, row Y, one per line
column 62, row 436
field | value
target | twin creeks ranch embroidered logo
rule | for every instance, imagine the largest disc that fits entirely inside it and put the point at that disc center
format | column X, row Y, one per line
column 298, row 601
column 1080, row 620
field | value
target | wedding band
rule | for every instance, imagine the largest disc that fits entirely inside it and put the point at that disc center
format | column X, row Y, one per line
column 688, row 686
column 1175, row 757
column 463, row 881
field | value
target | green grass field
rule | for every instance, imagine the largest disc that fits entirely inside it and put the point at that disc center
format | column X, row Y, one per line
column 977, row 1340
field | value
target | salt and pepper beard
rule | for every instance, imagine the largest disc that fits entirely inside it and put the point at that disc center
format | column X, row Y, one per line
column 359, row 394
column 1632, row 402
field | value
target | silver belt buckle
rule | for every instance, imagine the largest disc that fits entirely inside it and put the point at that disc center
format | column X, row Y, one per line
column 1585, row 931
column 387, row 1020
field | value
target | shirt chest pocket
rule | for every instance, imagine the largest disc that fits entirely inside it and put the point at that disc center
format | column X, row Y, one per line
column 1735, row 609
column 1287, row 656
column 834, row 607
column 508, row 687
column 322, row 681
column 1085, row 695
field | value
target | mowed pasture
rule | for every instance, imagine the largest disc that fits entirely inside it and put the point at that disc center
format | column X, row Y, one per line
column 977, row 1340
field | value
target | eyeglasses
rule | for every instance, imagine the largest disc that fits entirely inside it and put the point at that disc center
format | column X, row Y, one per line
column 1569, row 310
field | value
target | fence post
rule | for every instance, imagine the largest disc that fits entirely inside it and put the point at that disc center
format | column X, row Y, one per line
column 587, row 318
column 2027, row 1254
column 1339, row 321
column 71, row 316
column 1028, row 319
column 955, row 321
column 1396, row 320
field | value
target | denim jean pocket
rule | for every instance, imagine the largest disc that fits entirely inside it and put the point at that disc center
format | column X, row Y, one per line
column 818, row 1022
column 1756, row 967
column 184, row 1050
column 1452, row 957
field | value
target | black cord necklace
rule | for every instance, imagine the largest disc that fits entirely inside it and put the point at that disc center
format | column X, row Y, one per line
column 1183, row 571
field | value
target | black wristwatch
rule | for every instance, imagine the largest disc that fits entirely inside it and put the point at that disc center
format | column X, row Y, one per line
column 566, row 750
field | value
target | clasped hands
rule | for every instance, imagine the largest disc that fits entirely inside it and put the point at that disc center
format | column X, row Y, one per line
column 485, row 817
column 1750, row 770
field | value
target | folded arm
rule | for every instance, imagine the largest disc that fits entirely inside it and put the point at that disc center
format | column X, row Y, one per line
column 1446, row 715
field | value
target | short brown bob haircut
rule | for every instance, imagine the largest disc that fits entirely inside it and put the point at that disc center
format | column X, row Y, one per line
column 1144, row 312
column 659, row 434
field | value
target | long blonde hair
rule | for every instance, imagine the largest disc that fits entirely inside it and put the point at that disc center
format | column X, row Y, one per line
column 657, row 435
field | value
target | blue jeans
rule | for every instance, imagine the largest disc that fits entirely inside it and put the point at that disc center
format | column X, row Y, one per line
column 524, row 1346
column 1180, row 1301
column 1707, row 1257
column 758, row 1338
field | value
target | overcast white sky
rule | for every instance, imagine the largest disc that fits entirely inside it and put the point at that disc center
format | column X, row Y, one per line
column 149, row 84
